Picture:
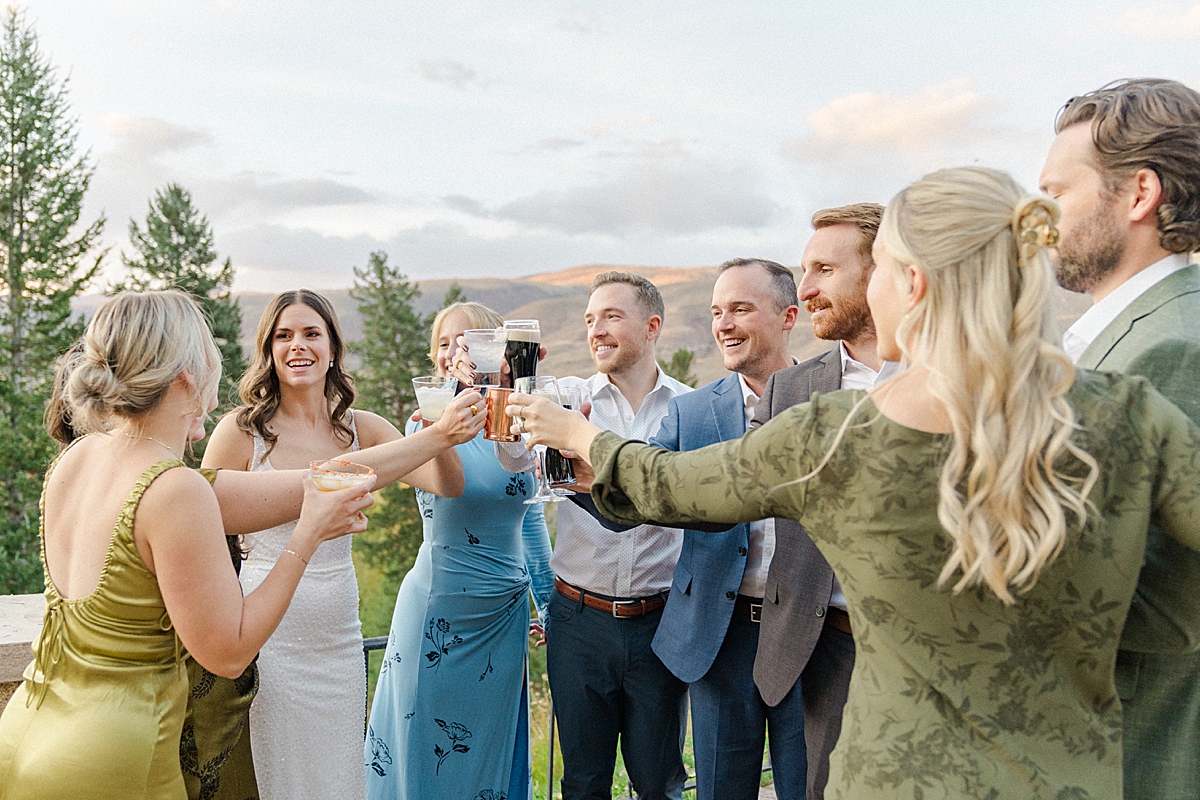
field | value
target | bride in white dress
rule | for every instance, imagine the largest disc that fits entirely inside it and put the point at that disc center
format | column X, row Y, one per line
column 306, row 724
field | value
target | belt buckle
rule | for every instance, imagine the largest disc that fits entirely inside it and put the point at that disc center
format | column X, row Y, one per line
column 619, row 603
column 756, row 612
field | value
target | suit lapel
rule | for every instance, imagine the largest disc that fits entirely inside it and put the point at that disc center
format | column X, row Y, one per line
column 1179, row 283
column 728, row 408
column 828, row 378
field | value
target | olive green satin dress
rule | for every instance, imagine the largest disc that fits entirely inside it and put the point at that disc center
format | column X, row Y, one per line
column 102, row 705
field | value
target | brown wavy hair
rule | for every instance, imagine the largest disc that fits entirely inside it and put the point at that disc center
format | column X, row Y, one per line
column 259, row 387
column 1148, row 123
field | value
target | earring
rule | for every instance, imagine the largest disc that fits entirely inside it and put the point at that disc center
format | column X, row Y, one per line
column 331, row 365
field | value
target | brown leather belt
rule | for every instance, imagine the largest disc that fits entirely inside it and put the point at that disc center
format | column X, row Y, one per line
column 836, row 618
column 748, row 607
column 622, row 609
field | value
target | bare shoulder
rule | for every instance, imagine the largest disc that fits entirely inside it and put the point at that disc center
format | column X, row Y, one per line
column 178, row 493
column 229, row 447
column 374, row 429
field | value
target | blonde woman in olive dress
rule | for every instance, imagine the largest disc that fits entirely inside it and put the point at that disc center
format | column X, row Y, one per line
column 985, row 510
column 127, row 586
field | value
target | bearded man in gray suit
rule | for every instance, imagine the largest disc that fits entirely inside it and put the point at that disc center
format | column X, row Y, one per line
column 805, row 632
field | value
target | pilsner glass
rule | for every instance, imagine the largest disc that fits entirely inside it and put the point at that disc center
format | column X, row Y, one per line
column 522, row 348
column 560, row 470
column 329, row 476
column 541, row 386
column 486, row 348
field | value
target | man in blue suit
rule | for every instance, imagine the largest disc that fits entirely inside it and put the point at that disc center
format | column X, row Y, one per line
column 709, row 630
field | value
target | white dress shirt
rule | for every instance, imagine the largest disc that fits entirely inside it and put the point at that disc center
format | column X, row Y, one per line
column 857, row 375
column 633, row 563
column 761, row 544
column 1080, row 336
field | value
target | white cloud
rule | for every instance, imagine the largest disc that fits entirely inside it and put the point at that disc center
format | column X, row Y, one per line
column 1154, row 23
column 248, row 192
column 147, row 137
column 451, row 73
column 936, row 118
column 661, row 189
column 869, row 145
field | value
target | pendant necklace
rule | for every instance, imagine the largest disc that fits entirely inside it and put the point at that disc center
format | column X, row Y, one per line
column 151, row 439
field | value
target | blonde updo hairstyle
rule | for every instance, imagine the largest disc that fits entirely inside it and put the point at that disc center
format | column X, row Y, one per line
column 134, row 348
column 479, row 315
column 986, row 331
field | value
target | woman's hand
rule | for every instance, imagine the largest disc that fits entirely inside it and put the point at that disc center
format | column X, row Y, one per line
column 461, row 366
column 550, row 424
column 463, row 418
column 329, row 515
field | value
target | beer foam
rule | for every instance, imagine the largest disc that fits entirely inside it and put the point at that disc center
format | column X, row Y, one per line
column 524, row 335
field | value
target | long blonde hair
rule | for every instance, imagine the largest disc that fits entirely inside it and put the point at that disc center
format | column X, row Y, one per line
column 986, row 331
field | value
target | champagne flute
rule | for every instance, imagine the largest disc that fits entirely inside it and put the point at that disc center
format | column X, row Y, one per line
column 540, row 386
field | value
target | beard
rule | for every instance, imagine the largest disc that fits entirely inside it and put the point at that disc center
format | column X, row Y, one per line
column 850, row 318
column 1091, row 253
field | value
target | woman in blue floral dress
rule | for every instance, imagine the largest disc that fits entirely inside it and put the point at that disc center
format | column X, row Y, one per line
column 451, row 712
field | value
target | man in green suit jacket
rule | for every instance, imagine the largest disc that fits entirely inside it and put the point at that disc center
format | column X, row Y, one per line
column 1125, row 168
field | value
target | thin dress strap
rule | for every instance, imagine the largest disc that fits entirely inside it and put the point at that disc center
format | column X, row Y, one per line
column 260, row 451
column 354, row 445
column 50, row 646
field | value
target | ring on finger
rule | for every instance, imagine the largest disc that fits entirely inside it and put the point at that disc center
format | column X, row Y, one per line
column 474, row 409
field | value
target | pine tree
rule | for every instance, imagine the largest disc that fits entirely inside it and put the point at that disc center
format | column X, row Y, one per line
column 394, row 350
column 175, row 251
column 395, row 344
column 43, row 252
column 454, row 294
column 680, row 366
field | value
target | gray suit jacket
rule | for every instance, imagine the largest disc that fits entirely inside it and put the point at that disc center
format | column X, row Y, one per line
column 1158, row 337
column 799, row 580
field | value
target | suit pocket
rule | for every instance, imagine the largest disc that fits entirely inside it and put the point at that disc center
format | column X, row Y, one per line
column 681, row 581
column 771, row 592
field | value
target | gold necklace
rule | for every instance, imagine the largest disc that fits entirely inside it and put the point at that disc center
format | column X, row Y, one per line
column 150, row 439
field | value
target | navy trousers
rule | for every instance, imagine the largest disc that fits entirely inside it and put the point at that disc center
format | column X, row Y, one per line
column 607, row 685
column 729, row 721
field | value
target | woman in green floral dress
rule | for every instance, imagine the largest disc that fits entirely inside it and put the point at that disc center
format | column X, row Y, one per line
column 985, row 510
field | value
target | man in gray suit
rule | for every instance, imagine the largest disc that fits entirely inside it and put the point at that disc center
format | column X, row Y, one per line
column 1125, row 168
column 805, row 632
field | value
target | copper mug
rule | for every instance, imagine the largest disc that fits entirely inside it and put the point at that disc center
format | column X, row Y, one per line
column 499, row 424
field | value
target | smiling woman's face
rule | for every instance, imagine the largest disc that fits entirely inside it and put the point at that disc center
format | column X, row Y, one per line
column 300, row 347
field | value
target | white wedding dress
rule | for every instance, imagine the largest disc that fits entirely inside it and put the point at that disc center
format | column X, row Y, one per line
column 307, row 722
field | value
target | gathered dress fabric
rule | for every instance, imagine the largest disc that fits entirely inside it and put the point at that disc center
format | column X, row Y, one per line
column 450, row 718
column 306, row 723
column 100, row 710
column 954, row 695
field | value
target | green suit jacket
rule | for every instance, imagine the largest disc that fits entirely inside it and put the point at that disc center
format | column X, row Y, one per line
column 1158, row 668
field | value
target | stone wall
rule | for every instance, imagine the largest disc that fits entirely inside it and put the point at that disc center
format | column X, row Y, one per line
column 20, row 623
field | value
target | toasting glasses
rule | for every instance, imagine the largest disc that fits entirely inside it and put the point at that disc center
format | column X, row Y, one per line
column 540, row 386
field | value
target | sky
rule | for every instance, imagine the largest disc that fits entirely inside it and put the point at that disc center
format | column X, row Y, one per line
column 513, row 137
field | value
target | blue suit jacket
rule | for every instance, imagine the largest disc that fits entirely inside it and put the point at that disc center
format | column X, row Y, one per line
column 711, row 565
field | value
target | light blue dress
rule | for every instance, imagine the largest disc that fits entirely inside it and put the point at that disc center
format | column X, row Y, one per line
column 450, row 717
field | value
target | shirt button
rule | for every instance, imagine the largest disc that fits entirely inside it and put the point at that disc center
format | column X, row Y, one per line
column 820, row 612
column 730, row 595
column 741, row 551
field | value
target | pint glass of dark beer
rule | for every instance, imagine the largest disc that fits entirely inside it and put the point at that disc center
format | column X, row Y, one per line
column 559, row 469
column 524, row 343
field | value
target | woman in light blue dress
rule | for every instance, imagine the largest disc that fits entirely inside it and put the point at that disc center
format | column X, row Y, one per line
column 450, row 717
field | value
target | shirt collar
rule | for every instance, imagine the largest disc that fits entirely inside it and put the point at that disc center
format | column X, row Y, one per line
column 749, row 398
column 601, row 382
column 1089, row 326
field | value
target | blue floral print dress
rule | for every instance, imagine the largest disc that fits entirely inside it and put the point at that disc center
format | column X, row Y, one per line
column 450, row 717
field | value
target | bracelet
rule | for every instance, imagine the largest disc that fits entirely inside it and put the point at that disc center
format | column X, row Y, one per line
column 297, row 555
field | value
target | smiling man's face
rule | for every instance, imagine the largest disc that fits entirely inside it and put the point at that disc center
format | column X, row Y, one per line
column 834, row 286
column 749, row 328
